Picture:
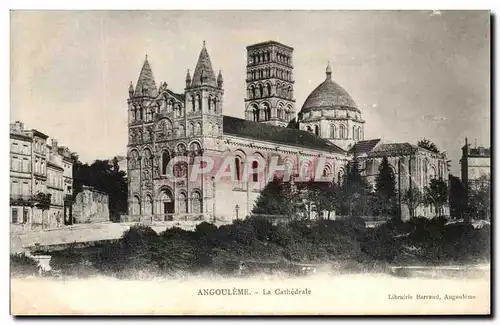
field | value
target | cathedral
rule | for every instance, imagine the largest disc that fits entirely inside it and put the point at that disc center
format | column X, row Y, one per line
column 163, row 124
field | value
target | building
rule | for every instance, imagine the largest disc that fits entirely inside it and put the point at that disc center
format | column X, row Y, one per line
column 475, row 167
column 91, row 206
column 40, row 180
column 475, row 164
column 164, row 124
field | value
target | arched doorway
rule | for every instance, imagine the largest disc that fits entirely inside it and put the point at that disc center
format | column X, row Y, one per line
column 167, row 202
column 136, row 205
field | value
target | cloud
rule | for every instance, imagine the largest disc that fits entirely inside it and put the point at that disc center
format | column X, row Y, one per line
column 434, row 118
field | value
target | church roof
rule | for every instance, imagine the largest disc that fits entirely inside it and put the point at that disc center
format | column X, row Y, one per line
column 393, row 149
column 375, row 148
column 279, row 135
column 327, row 95
column 204, row 70
column 146, row 81
column 364, row 146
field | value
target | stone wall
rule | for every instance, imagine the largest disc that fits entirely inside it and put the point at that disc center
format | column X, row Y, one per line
column 91, row 206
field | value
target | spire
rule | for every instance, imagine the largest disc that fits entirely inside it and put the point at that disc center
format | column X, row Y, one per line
column 203, row 73
column 328, row 71
column 146, row 85
column 219, row 79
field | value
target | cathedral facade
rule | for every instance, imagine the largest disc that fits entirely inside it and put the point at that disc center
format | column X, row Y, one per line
column 164, row 125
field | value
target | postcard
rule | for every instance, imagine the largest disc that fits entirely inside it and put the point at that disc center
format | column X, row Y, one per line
column 259, row 162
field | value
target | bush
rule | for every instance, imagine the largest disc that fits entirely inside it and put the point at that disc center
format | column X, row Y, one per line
column 22, row 265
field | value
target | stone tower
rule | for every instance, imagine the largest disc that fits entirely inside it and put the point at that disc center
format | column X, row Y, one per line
column 203, row 100
column 270, row 84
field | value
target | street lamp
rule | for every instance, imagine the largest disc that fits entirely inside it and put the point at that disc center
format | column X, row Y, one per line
column 237, row 208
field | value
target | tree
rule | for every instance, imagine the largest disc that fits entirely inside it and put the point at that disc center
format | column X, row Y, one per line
column 413, row 197
column 436, row 194
column 277, row 198
column 322, row 196
column 427, row 144
column 457, row 198
column 385, row 189
column 479, row 200
column 293, row 124
column 356, row 193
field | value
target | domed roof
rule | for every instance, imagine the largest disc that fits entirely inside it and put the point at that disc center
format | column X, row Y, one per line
column 327, row 95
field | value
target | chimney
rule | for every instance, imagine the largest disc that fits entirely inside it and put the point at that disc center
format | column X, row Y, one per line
column 54, row 145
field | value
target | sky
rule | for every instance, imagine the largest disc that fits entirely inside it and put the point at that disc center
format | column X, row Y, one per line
column 413, row 74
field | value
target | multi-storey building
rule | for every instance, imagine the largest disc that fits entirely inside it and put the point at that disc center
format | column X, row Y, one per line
column 38, row 197
column 164, row 124
column 475, row 164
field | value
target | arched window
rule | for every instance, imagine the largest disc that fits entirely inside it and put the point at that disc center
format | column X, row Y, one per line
column 280, row 113
column 200, row 106
column 142, row 114
column 255, row 112
column 134, row 112
column 181, row 148
column 261, row 90
column 237, row 163
column 197, row 129
column 149, row 115
column 147, row 158
column 268, row 87
column 210, row 104
column 343, row 134
column 210, row 128
column 354, row 132
column 190, row 129
column 316, row 130
column 169, row 105
column 196, row 103
column 216, row 105
column 255, row 175
column 197, row 202
column 193, row 104
column 267, row 111
column 195, row 147
column 290, row 92
column 165, row 158
column 332, row 131
column 309, row 129
column 183, row 203
column 326, row 171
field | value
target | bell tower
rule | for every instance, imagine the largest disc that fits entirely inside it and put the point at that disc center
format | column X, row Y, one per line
column 203, row 99
column 270, row 84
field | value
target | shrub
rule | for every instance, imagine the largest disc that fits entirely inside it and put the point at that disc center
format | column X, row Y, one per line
column 205, row 229
column 22, row 265
column 72, row 261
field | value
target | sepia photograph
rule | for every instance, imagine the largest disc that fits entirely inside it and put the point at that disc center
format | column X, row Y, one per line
column 250, row 162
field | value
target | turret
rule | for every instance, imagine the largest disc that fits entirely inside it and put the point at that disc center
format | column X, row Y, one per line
column 188, row 79
column 220, row 82
column 131, row 90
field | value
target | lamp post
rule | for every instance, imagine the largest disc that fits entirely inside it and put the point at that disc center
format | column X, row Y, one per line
column 237, row 208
